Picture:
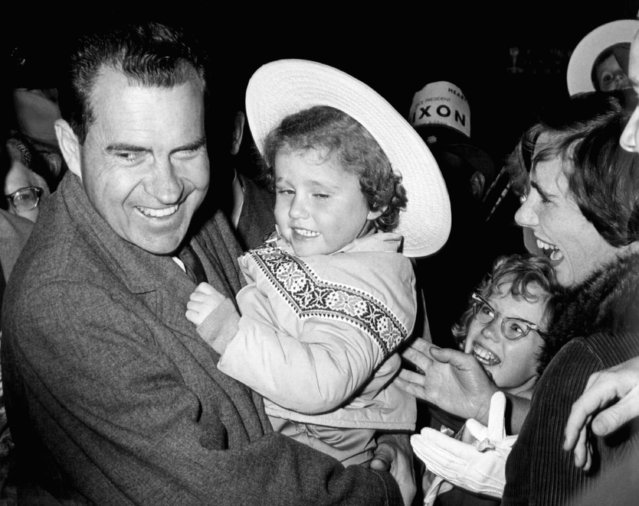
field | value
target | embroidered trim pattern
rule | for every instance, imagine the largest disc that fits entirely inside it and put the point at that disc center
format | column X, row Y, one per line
column 311, row 296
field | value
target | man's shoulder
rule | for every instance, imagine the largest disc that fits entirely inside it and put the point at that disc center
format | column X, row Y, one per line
column 13, row 226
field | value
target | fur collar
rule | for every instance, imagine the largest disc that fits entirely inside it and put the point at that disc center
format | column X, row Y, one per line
column 607, row 301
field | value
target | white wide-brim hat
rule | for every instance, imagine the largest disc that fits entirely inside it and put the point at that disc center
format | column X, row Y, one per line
column 590, row 47
column 283, row 87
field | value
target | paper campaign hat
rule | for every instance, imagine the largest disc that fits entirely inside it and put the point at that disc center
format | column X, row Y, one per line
column 440, row 112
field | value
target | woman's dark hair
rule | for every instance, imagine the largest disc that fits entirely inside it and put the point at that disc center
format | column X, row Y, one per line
column 603, row 178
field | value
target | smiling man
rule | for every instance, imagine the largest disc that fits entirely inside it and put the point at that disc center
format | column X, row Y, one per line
column 112, row 397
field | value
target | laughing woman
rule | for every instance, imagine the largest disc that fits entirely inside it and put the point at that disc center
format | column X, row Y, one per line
column 583, row 208
column 582, row 205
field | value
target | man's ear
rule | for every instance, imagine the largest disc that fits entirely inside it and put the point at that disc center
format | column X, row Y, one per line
column 69, row 146
column 238, row 132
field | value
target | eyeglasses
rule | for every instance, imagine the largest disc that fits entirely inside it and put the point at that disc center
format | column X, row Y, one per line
column 512, row 328
column 25, row 199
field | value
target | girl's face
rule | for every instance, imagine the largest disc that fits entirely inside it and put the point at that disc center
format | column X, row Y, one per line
column 319, row 207
column 511, row 363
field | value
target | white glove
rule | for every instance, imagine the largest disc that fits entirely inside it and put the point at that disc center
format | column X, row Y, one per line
column 478, row 466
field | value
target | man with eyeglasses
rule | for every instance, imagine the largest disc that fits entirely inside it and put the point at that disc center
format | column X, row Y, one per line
column 14, row 228
column 24, row 199
column 24, row 188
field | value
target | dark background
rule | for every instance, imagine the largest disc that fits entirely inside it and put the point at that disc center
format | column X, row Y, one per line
column 394, row 48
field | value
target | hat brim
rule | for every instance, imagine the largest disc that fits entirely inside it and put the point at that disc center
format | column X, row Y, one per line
column 283, row 87
column 590, row 47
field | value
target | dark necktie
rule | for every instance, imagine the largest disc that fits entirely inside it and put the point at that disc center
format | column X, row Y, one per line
column 192, row 264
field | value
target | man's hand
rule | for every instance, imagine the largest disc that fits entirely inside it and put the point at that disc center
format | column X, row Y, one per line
column 615, row 391
column 394, row 454
column 451, row 380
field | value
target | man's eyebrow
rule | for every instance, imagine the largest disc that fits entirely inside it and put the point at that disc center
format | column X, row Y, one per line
column 122, row 146
column 191, row 146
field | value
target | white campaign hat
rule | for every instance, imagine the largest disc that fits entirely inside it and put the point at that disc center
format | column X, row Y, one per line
column 591, row 46
column 283, row 87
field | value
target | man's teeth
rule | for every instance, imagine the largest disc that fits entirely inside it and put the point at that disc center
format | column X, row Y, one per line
column 549, row 250
column 485, row 356
column 305, row 232
column 158, row 213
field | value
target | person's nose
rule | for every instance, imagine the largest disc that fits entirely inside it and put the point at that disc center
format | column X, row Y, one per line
column 526, row 215
column 166, row 186
column 299, row 207
column 628, row 139
column 492, row 330
column 621, row 81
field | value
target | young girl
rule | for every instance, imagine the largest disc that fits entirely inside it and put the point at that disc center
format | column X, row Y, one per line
column 330, row 298
column 504, row 327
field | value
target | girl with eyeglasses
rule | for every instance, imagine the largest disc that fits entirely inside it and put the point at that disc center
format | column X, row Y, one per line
column 505, row 328
column 505, row 325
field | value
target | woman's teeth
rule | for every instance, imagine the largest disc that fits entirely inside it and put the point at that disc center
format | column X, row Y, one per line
column 552, row 252
column 485, row 356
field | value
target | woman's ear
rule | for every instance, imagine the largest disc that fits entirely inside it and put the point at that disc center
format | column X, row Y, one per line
column 69, row 146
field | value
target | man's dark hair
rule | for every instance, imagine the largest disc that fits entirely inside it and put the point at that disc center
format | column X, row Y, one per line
column 149, row 53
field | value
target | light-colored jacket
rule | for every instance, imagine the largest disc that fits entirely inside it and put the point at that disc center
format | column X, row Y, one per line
column 318, row 334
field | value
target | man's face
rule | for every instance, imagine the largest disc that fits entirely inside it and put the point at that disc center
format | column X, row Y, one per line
column 144, row 163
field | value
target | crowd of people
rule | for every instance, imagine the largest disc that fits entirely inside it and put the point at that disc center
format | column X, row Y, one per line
column 273, row 301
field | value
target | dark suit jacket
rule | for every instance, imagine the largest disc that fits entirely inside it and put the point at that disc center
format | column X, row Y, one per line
column 113, row 398
column 14, row 232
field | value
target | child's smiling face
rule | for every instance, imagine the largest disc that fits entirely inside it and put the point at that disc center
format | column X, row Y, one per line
column 511, row 363
column 319, row 206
